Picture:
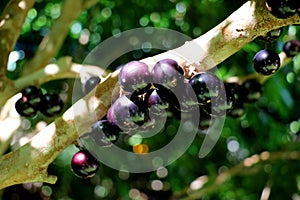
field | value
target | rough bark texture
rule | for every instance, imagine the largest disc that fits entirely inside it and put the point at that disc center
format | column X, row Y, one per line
column 29, row 163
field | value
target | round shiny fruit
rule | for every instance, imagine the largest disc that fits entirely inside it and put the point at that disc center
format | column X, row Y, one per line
column 126, row 114
column 266, row 62
column 168, row 73
column 291, row 48
column 25, row 109
column 90, row 84
column 51, row 104
column 32, row 95
column 205, row 86
column 134, row 75
column 84, row 164
column 105, row 133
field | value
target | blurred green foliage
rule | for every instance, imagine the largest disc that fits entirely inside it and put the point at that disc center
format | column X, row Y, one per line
column 271, row 124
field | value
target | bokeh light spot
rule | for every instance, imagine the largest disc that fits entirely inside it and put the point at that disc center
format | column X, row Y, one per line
column 141, row 149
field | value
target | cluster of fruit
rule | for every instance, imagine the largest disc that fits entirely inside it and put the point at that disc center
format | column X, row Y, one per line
column 151, row 95
column 33, row 100
column 237, row 95
column 148, row 96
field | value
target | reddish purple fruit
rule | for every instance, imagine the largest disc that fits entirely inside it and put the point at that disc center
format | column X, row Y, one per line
column 291, row 48
column 134, row 75
column 126, row 114
column 110, row 116
column 157, row 104
column 84, row 164
column 167, row 72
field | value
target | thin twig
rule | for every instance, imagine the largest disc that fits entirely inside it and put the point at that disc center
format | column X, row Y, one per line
column 53, row 42
column 255, row 161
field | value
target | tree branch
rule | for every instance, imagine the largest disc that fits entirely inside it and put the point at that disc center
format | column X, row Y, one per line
column 51, row 44
column 63, row 68
column 248, row 22
column 11, row 22
column 9, row 123
column 29, row 163
column 218, row 44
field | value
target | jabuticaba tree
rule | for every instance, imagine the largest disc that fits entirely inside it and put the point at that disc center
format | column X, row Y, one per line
column 248, row 74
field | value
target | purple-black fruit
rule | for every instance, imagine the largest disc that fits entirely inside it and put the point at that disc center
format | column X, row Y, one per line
column 84, row 164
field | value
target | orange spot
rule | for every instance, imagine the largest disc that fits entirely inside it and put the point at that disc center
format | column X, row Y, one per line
column 140, row 149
